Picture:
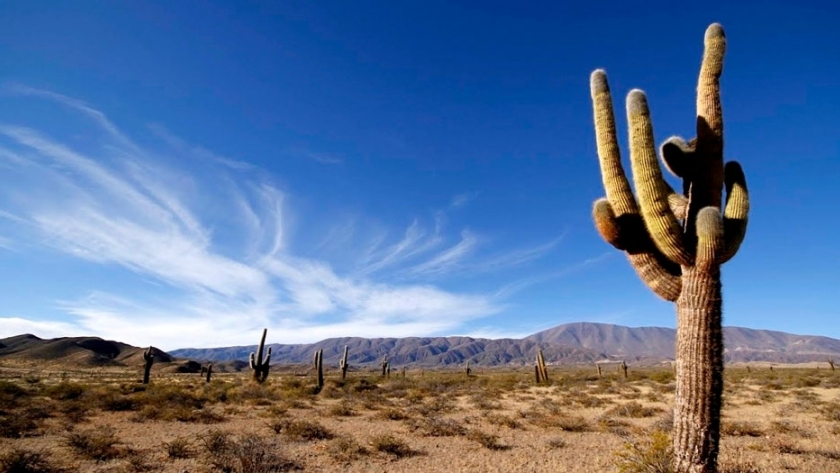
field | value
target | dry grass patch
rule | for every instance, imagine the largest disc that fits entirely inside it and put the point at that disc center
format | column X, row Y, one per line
column 302, row 430
column 390, row 444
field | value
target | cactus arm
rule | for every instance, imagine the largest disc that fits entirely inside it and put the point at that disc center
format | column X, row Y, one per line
column 617, row 216
column 661, row 223
column 616, row 185
column 259, row 359
column 659, row 274
column 710, row 113
column 676, row 155
column 251, row 361
column 710, row 242
column 679, row 205
column 736, row 211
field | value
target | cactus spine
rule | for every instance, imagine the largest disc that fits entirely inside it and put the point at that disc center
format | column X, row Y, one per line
column 319, row 368
column 343, row 364
column 149, row 358
column 677, row 242
column 539, row 368
column 259, row 365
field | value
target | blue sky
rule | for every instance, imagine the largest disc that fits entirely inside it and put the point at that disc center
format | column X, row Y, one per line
column 187, row 173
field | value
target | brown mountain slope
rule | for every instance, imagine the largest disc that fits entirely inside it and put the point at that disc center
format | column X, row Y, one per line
column 75, row 351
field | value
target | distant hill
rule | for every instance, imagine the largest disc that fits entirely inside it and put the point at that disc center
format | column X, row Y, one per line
column 84, row 352
column 573, row 343
column 576, row 343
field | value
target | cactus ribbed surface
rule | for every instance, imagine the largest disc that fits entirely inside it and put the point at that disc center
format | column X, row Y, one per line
column 677, row 241
column 260, row 365
column 149, row 359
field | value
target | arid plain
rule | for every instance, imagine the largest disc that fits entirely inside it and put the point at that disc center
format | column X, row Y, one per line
column 105, row 420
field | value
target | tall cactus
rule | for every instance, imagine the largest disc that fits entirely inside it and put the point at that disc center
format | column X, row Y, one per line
column 259, row 365
column 540, row 370
column 209, row 371
column 149, row 359
column 319, row 368
column 342, row 364
column 677, row 241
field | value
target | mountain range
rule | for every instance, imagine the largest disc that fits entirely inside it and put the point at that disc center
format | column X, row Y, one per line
column 576, row 343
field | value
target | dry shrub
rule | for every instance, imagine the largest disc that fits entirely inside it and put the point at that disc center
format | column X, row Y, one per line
column 18, row 460
column 436, row 427
column 342, row 409
column 488, row 441
column 789, row 428
column 346, row 449
column 248, row 454
column 650, row 454
column 94, row 444
column 393, row 413
column 634, row 410
column 500, row 419
column 180, row 447
column 740, row 429
column 302, row 430
column 391, row 445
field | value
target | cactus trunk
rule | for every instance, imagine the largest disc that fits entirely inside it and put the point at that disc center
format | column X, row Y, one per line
column 699, row 372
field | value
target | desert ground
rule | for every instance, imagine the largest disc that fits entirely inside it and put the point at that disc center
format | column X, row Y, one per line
column 106, row 420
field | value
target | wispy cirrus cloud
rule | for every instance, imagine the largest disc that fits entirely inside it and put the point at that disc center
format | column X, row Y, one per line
column 212, row 235
column 113, row 202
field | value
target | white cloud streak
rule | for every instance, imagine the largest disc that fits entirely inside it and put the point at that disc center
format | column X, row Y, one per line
column 122, row 206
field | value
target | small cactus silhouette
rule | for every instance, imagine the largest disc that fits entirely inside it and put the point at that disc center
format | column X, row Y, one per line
column 260, row 365
column 343, row 364
column 149, row 359
column 319, row 368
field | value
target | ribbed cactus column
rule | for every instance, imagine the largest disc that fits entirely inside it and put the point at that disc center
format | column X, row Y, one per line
column 677, row 241
column 260, row 365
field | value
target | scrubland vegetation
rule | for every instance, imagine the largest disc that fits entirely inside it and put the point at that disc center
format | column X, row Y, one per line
column 787, row 419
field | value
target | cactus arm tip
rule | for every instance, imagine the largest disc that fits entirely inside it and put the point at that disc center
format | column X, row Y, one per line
column 598, row 82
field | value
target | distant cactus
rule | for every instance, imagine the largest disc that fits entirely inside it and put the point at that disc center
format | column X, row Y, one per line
column 209, row 371
column 677, row 242
column 149, row 358
column 599, row 370
column 260, row 365
column 623, row 367
column 831, row 363
column 386, row 370
column 540, row 370
column 467, row 370
column 343, row 364
column 319, row 368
